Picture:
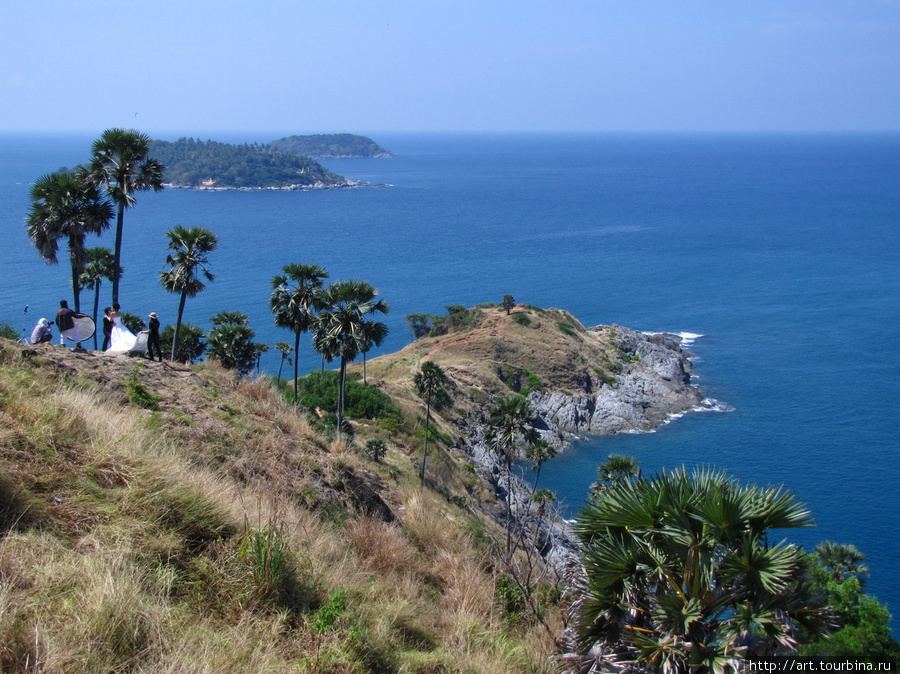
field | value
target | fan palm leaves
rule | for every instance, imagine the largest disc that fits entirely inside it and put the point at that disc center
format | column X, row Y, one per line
column 510, row 424
column 340, row 326
column 429, row 381
column 681, row 572
column 295, row 299
column 66, row 206
column 120, row 164
column 842, row 560
column 187, row 268
column 99, row 265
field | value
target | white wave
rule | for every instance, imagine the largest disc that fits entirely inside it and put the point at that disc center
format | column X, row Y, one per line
column 713, row 405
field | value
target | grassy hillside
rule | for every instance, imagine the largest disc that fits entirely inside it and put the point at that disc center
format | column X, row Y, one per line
column 487, row 353
column 168, row 519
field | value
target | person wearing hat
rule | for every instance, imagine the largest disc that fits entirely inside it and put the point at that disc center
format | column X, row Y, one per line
column 153, row 336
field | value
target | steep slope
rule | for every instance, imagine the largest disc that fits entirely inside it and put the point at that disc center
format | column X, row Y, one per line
column 165, row 518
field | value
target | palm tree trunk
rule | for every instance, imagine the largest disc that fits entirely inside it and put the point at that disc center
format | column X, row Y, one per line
column 178, row 323
column 340, row 410
column 76, row 287
column 425, row 453
column 508, row 507
column 117, row 269
column 96, row 306
column 280, row 368
column 536, row 476
column 296, row 365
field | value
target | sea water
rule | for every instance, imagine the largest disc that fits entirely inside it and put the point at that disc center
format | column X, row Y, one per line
column 777, row 254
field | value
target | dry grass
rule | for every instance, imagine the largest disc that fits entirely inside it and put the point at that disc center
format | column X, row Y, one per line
column 124, row 544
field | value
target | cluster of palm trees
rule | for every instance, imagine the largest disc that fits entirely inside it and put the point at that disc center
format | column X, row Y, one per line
column 70, row 205
column 339, row 315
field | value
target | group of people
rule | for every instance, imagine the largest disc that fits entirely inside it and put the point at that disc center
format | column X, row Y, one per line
column 116, row 336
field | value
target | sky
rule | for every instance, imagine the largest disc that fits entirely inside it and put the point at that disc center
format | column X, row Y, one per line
column 361, row 66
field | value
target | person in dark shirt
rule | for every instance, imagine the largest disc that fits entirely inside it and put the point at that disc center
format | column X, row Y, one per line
column 107, row 327
column 153, row 336
column 65, row 321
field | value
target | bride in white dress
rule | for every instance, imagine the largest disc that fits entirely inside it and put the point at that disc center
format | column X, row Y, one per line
column 120, row 338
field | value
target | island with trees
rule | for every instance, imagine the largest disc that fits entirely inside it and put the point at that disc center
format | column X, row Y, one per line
column 332, row 146
column 197, row 164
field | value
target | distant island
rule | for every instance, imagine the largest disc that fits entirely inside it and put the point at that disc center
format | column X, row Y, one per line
column 197, row 164
column 332, row 146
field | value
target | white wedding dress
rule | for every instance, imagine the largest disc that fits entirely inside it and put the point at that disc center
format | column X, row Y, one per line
column 122, row 339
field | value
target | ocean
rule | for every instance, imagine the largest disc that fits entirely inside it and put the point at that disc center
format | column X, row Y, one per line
column 777, row 254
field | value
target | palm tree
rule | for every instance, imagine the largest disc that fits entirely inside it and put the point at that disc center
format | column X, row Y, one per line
column 841, row 560
column 187, row 267
column 340, row 326
column 682, row 576
column 99, row 265
column 285, row 350
column 371, row 333
column 120, row 163
column 430, row 381
column 617, row 468
column 294, row 300
column 538, row 454
column 231, row 342
column 64, row 205
column 510, row 423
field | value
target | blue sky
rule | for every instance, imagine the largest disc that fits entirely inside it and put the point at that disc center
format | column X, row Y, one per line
column 300, row 66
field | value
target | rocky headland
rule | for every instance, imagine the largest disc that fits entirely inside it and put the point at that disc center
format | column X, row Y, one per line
column 598, row 381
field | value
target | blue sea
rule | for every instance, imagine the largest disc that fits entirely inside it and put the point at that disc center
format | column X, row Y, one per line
column 780, row 251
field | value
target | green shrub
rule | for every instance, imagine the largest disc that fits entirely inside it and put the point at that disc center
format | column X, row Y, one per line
column 375, row 449
column 522, row 319
column 567, row 329
column 139, row 394
column 320, row 390
column 8, row 331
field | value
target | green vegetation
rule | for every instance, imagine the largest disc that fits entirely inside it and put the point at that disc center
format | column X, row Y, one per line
column 121, row 164
column 430, row 381
column 231, row 342
column 187, row 267
column 508, row 303
column 195, row 163
column 331, row 146
column 682, row 574
column 139, row 394
column 66, row 206
column 321, row 390
column 190, row 345
column 567, row 329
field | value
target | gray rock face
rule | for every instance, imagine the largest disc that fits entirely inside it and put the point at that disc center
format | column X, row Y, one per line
column 653, row 384
column 650, row 388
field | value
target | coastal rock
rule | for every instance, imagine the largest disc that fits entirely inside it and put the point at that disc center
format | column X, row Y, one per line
column 652, row 386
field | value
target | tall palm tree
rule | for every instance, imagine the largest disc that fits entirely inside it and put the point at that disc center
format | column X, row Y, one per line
column 294, row 301
column 285, row 350
column 430, row 381
column 682, row 576
column 66, row 206
column 120, row 164
column 187, row 267
column 510, row 424
column 372, row 333
column 538, row 454
column 99, row 265
column 339, row 328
